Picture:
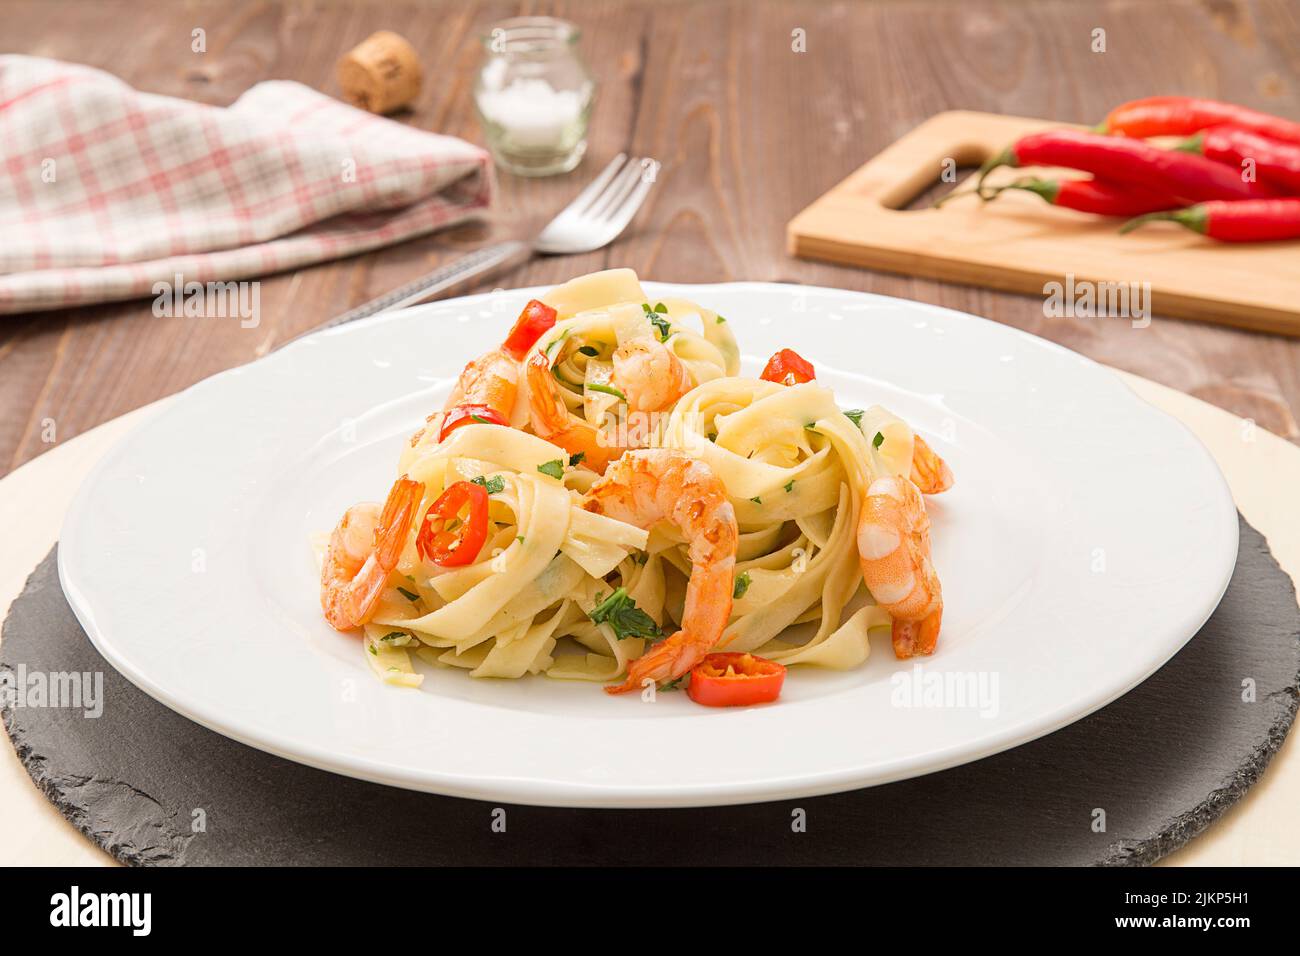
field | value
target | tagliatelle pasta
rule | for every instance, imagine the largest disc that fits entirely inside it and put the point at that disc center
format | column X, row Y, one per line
column 502, row 551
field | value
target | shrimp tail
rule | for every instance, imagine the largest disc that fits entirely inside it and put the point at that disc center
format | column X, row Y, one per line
column 352, row 584
column 552, row 421
column 395, row 520
column 930, row 473
column 665, row 661
column 912, row 638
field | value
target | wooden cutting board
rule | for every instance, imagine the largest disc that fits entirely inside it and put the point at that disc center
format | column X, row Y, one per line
column 1020, row 243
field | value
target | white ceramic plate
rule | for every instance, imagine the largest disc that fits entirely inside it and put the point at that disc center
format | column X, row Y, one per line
column 1087, row 538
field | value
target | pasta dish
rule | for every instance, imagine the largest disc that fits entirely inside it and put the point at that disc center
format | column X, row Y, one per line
column 606, row 498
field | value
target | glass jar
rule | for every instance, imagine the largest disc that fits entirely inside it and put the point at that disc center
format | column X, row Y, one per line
column 534, row 96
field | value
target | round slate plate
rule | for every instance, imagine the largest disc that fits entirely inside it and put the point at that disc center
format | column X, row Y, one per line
column 1156, row 767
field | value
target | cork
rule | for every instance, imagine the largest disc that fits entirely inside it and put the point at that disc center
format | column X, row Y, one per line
column 382, row 74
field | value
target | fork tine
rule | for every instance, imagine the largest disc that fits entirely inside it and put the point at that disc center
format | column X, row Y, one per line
column 588, row 195
column 621, row 216
column 616, row 191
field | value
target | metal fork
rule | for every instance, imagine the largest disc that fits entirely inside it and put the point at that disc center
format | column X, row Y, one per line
column 593, row 220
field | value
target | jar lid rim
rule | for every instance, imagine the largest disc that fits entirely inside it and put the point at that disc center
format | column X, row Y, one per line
column 528, row 34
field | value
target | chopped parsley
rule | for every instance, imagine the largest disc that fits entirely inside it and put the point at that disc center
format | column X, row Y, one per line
column 811, row 426
column 554, row 469
column 493, row 486
column 789, row 486
column 655, row 315
column 855, row 415
column 409, row 595
column 720, row 320
column 577, row 459
column 373, row 650
column 878, row 440
column 620, row 612
column 676, row 684
column 742, row 585
column 480, row 419
column 757, row 500
column 607, row 389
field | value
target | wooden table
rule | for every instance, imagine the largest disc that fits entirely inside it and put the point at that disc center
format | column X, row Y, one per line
column 749, row 133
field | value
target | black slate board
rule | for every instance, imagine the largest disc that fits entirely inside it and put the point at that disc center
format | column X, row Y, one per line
column 1163, row 762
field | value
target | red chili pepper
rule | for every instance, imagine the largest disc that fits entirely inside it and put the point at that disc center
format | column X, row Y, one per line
column 451, row 549
column 1272, row 161
column 1258, row 220
column 1093, row 195
column 788, row 367
column 470, row 415
column 735, row 680
column 1131, row 162
column 536, row 319
column 1183, row 115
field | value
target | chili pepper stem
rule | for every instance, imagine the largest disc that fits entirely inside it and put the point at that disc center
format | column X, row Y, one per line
column 1040, row 187
column 955, row 194
column 1192, row 217
column 1004, row 158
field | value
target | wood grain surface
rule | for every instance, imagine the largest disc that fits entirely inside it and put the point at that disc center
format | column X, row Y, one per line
column 748, row 130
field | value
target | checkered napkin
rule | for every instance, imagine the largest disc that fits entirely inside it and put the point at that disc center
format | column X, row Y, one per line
column 105, row 191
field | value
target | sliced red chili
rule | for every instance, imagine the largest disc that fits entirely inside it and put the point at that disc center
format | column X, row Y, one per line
column 735, row 680
column 536, row 319
column 470, row 415
column 788, row 367
column 451, row 549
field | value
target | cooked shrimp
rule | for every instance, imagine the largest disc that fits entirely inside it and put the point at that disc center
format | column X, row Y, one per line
column 649, row 375
column 362, row 553
column 647, row 486
column 492, row 380
column 894, row 551
column 551, row 418
column 930, row 473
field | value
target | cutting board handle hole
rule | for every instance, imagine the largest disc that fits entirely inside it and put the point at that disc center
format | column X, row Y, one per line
column 934, row 179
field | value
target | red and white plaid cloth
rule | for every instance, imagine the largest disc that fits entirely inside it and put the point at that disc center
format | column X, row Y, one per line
column 105, row 191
